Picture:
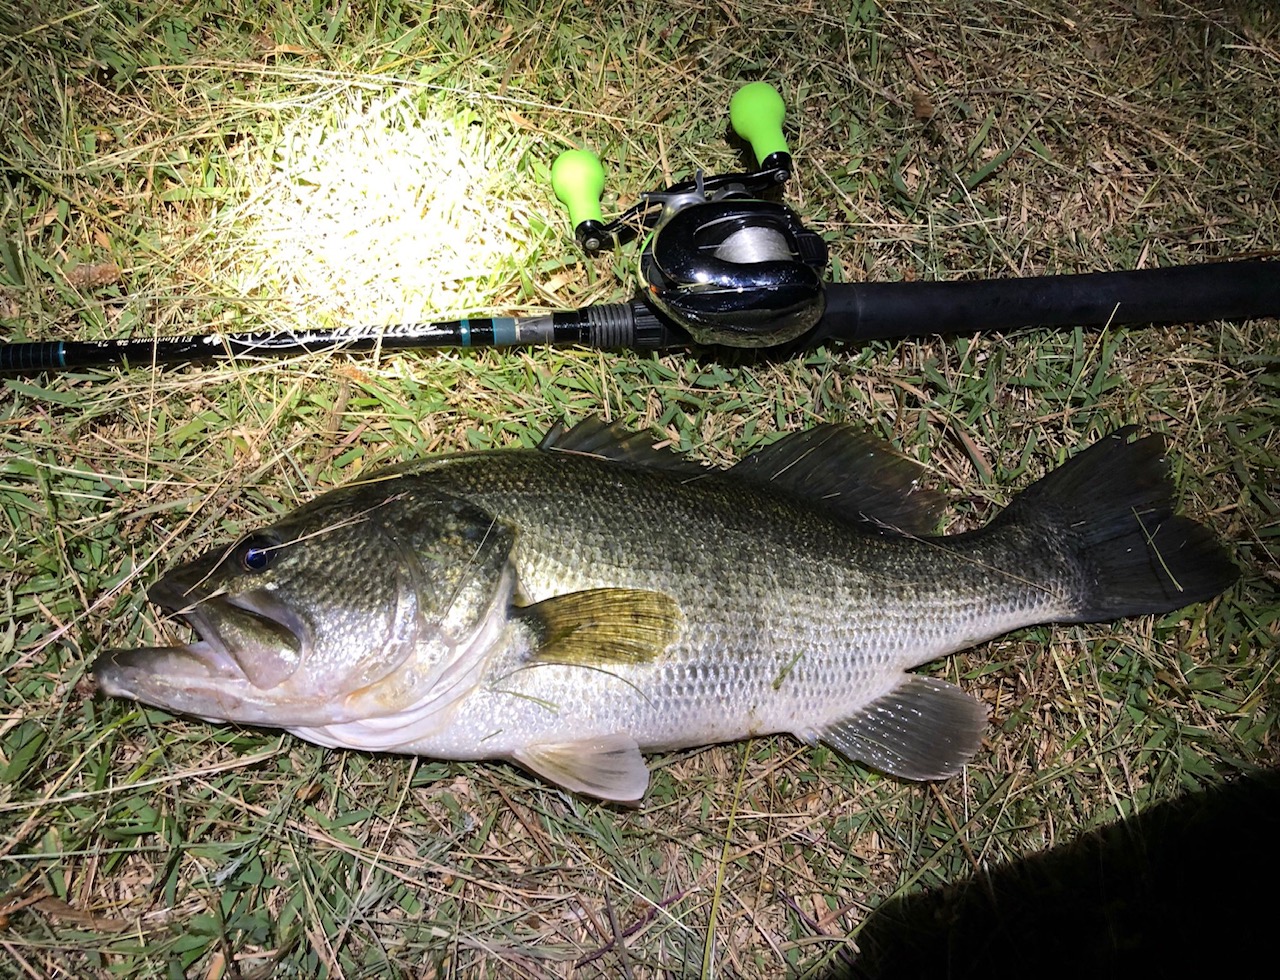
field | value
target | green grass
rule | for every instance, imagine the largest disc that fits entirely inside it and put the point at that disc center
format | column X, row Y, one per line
column 252, row 165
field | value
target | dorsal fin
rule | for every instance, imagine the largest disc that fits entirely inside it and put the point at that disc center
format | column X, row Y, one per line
column 611, row 440
column 850, row 473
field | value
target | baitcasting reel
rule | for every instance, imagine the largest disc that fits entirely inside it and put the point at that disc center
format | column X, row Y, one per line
column 719, row 261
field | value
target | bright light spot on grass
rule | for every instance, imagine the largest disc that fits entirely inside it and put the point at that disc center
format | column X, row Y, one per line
column 369, row 208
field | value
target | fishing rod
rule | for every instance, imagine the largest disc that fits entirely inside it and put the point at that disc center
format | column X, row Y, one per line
column 722, row 264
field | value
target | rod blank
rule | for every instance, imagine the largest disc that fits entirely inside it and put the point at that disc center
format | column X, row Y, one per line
column 608, row 326
column 855, row 313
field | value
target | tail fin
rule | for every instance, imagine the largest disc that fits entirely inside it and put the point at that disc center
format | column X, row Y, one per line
column 1111, row 508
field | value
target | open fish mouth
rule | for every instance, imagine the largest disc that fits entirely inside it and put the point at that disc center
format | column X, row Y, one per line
column 246, row 645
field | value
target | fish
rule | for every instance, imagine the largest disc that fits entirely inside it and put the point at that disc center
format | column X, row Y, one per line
column 571, row 607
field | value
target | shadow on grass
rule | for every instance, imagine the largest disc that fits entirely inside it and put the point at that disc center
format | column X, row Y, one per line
column 1146, row 896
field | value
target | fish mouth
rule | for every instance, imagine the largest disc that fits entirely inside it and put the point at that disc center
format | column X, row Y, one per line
column 246, row 645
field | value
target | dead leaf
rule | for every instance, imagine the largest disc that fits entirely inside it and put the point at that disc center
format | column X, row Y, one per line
column 93, row 274
column 56, row 908
column 41, row 222
column 293, row 49
column 922, row 106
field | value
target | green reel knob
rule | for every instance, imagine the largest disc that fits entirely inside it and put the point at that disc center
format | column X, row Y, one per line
column 577, row 177
column 756, row 111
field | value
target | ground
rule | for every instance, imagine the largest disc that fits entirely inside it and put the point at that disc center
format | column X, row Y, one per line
column 225, row 165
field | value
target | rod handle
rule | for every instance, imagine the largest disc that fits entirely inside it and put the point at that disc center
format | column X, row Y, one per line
column 577, row 177
column 1233, row 290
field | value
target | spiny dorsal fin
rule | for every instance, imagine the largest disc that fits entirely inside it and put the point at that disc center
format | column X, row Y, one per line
column 851, row 474
column 607, row 766
column 601, row 627
column 611, row 440
column 924, row 728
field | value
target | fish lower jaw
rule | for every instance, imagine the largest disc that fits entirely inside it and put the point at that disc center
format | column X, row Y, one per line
column 121, row 671
column 200, row 680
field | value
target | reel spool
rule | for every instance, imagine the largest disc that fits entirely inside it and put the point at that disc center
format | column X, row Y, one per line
column 721, row 263
column 742, row 273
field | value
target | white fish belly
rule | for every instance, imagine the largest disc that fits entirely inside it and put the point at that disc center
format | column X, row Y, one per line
column 717, row 684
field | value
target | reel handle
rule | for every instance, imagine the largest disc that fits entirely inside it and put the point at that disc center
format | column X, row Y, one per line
column 756, row 112
column 577, row 177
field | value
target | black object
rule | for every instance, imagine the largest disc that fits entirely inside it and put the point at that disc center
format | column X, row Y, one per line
column 1112, row 903
column 853, row 313
column 738, row 273
column 1179, row 294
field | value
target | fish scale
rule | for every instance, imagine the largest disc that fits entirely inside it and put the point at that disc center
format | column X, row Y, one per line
column 758, row 650
column 571, row 607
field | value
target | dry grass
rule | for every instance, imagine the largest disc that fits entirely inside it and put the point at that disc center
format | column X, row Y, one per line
column 209, row 155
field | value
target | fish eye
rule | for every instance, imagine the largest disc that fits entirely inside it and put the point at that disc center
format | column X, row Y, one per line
column 255, row 554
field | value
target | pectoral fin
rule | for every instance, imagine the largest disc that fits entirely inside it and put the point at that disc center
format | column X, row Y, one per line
column 603, row 627
column 609, row 766
column 922, row 729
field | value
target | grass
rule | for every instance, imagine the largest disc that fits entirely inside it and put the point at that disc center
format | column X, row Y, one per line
column 174, row 167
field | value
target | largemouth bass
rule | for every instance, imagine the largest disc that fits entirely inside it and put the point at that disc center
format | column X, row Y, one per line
column 572, row 606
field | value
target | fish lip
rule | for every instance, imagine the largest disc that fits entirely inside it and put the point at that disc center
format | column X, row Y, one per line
column 191, row 603
column 176, row 597
column 202, row 610
column 198, row 679
column 208, row 677
column 208, row 653
column 191, row 662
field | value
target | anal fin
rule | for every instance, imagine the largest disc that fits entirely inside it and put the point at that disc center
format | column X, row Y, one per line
column 924, row 728
column 609, row 767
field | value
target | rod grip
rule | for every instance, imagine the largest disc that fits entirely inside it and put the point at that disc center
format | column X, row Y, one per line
column 1179, row 294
